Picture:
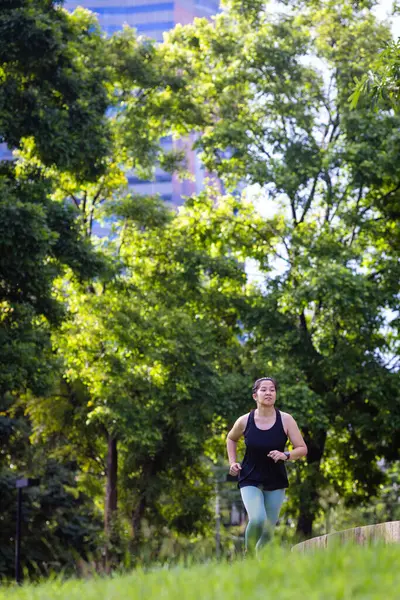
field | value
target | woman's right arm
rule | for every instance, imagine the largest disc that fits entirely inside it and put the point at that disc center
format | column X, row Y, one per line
column 231, row 444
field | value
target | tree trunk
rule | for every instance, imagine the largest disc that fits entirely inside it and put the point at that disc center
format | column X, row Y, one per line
column 309, row 489
column 137, row 516
column 308, row 501
column 111, row 486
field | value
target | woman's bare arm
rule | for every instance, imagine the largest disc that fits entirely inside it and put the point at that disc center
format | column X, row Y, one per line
column 231, row 443
column 294, row 435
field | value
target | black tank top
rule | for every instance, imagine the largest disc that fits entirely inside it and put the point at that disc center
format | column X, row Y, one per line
column 257, row 467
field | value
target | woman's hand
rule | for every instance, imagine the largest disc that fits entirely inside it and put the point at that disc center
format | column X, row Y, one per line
column 235, row 468
column 276, row 455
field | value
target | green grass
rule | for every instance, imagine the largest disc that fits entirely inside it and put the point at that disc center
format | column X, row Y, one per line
column 347, row 572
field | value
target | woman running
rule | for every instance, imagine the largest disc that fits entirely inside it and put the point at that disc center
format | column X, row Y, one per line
column 262, row 474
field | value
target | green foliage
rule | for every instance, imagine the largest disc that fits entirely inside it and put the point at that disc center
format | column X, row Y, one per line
column 39, row 238
column 52, row 85
column 45, row 88
column 381, row 84
column 53, row 99
column 152, row 348
column 329, row 257
column 60, row 523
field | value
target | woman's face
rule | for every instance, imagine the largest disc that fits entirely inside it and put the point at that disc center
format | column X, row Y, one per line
column 266, row 394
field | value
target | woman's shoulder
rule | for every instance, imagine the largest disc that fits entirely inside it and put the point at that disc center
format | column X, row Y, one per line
column 286, row 419
column 242, row 421
column 286, row 415
column 239, row 427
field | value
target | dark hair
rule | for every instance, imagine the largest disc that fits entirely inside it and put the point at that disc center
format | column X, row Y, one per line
column 258, row 382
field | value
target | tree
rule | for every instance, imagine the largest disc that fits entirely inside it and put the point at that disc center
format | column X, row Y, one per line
column 143, row 110
column 49, row 73
column 53, row 84
column 269, row 117
column 380, row 87
column 155, row 350
column 43, row 94
column 39, row 238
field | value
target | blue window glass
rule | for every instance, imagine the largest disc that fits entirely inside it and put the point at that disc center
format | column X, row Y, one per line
column 131, row 10
column 143, row 28
column 159, row 178
column 164, row 177
column 134, row 180
column 155, row 26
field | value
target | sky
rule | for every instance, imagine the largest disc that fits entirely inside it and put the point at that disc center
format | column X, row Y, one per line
column 382, row 10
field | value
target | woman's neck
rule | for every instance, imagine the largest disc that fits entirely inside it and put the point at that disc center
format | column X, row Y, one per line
column 265, row 411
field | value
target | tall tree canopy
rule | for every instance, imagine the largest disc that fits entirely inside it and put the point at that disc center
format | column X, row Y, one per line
column 273, row 89
column 53, row 84
column 53, row 96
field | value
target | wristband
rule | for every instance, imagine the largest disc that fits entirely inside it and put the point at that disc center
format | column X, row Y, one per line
column 287, row 454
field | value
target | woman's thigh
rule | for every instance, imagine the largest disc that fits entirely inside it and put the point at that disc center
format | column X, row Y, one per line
column 273, row 501
column 253, row 500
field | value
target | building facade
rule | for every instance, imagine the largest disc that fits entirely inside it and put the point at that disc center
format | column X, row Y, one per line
column 151, row 18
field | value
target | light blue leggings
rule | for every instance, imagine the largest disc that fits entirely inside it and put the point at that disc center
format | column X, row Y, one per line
column 263, row 510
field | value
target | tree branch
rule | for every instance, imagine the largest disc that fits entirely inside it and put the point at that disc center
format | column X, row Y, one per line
column 84, row 205
column 310, row 198
column 353, row 234
column 97, row 195
column 293, row 207
column 386, row 196
column 76, row 202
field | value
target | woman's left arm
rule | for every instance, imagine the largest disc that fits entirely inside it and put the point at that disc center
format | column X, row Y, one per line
column 294, row 435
